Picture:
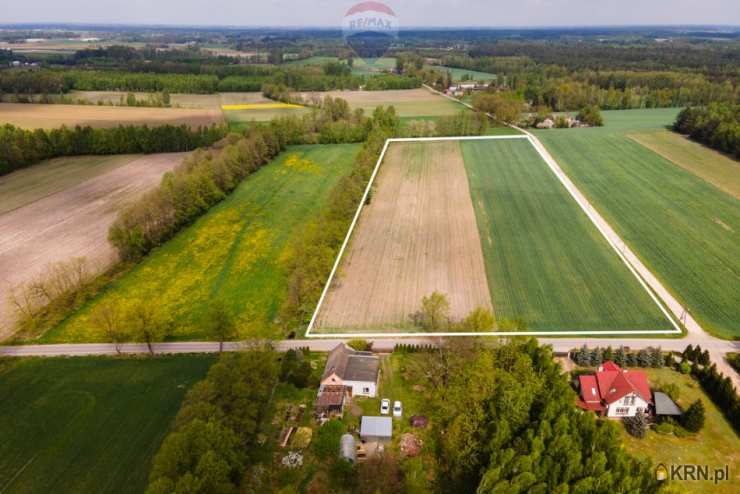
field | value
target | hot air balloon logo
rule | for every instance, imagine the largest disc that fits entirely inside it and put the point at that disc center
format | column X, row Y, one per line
column 370, row 28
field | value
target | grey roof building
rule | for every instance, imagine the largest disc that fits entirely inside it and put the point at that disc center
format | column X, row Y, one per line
column 376, row 428
column 664, row 405
column 354, row 369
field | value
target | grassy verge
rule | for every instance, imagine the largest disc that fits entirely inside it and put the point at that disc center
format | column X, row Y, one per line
column 234, row 252
column 87, row 424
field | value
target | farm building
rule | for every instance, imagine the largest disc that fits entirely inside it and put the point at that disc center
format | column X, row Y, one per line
column 331, row 401
column 376, row 429
column 357, row 371
column 615, row 392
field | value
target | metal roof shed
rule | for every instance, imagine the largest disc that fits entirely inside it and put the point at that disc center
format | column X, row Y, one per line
column 376, row 428
column 664, row 405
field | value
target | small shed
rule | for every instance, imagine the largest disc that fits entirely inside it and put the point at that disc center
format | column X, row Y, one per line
column 348, row 448
column 376, row 428
column 331, row 401
column 664, row 405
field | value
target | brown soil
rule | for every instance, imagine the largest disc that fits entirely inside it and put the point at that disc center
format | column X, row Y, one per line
column 418, row 235
column 72, row 223
column 32, row 116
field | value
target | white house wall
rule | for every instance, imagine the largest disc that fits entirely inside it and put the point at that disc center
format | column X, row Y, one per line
column 632, row 409
column 358, row 388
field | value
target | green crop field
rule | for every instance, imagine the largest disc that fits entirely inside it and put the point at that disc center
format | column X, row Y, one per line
column 683, row 228
column 716, row 168
column 459, row 74
column 233, row 252
column 360, row 66
column 545, row 261
column 88, row 424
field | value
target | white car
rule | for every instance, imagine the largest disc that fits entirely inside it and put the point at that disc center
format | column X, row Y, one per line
column 385, row 406
column 397, row 409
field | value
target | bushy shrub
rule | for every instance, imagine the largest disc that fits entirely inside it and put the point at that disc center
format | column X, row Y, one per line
column 637, row 426
column 693, row 418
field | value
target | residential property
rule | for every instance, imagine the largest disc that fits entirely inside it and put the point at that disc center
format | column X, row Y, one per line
column 357, row 371
column 615, row 392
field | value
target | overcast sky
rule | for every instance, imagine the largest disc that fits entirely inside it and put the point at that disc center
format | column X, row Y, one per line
column 411, row 13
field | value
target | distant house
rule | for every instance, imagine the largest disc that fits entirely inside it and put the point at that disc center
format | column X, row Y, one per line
column 546, row 124
column 615, row 392
column 357, row 371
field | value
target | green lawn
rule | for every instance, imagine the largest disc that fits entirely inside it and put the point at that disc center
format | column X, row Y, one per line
column 234, row 252
column 545, row 261
column 87, row 424
column 716, row 445
column 684, row 229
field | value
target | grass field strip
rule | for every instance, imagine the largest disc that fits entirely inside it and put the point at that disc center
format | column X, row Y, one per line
column 592, row 215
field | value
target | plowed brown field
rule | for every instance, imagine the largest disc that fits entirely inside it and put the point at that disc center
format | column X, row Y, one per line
column 32, row 116
column 416, row 236
column 70, row 223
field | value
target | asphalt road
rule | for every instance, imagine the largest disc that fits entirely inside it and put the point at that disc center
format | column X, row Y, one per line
column 717, row 348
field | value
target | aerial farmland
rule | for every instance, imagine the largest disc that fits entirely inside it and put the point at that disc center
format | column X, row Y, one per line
column 501, row 207
column 62, row 209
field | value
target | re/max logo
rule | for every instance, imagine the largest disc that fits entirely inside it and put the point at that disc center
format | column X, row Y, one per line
column 682, row 472
column 371, row 23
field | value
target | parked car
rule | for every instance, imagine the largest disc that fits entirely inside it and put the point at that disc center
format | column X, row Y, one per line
column 385, row 406
column 397, row 409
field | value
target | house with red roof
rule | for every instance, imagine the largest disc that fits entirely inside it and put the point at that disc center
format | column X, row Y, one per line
column 615, row 392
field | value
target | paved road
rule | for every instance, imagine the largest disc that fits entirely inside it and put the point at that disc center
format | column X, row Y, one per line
column 717, row 348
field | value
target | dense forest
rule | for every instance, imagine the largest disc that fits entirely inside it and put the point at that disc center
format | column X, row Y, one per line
column 20, row 148
column 215, row 437
column 505, row 421
column 563, row 89
column 56, row 81
column 716, row 125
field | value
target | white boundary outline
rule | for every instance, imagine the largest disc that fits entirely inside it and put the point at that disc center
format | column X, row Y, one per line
column 569, row 188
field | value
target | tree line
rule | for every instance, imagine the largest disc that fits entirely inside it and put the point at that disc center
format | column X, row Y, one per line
column 717, row 125
column 207, row 176
column 505, row 421
column 20, row 148
column 58, row 81
column 215, row 436
column 718, row 386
